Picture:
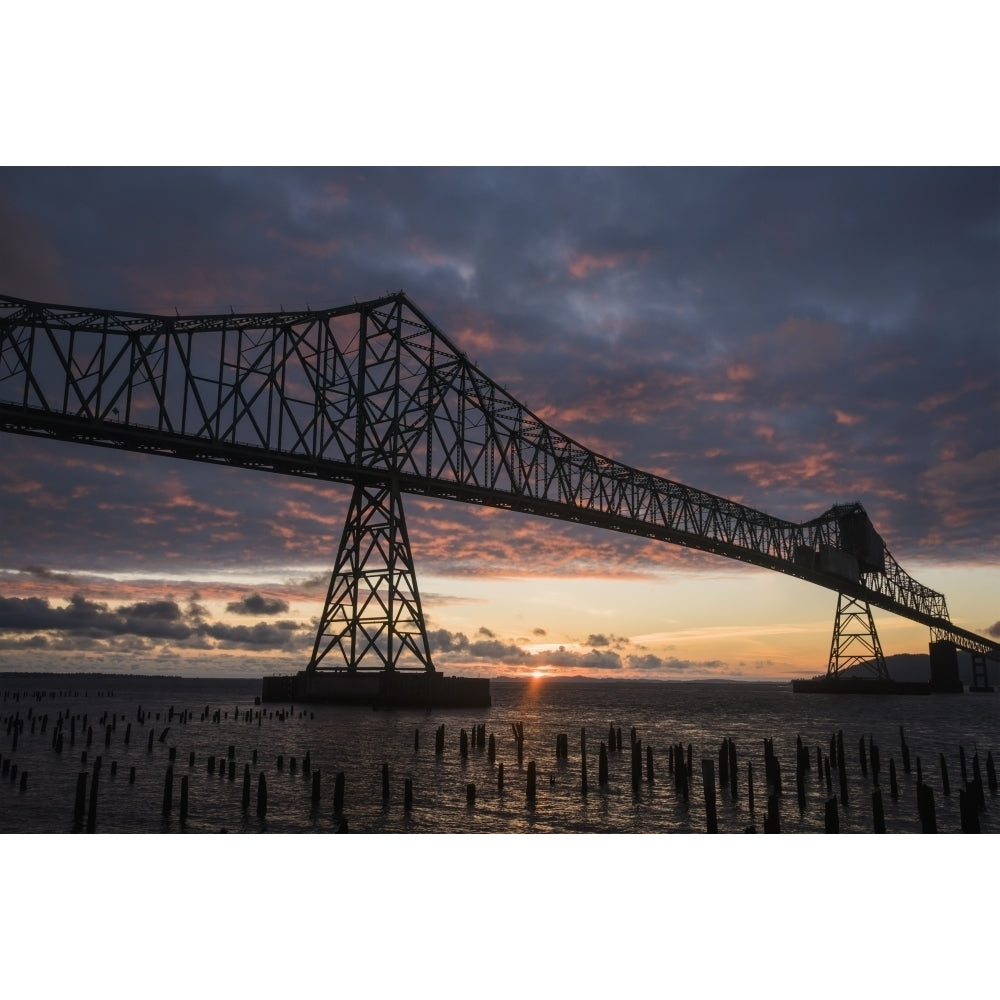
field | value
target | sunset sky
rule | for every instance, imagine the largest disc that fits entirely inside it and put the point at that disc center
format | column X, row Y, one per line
column 788, row 338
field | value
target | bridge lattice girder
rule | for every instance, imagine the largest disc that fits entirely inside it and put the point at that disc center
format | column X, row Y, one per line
column 373, row 390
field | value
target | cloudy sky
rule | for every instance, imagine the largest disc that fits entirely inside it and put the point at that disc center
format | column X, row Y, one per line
column 789, row 338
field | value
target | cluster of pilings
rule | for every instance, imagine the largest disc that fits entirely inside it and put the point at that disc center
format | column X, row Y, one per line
column 721, row 770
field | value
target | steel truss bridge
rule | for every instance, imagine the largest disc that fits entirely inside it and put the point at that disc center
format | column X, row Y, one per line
column 373, row 394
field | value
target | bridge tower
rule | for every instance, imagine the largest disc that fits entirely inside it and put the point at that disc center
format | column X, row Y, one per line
column 855, row 640
column 372, row 619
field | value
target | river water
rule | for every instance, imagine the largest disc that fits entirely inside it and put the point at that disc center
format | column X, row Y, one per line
column 197, row 719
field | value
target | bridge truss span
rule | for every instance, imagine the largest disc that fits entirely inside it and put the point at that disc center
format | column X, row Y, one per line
column 374, row 393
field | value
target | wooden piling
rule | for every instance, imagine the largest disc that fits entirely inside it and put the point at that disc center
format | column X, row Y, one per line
column 878, row 812
column 470, row 794
column 732, row 769
column 708, row 782
column 893, row 786
column 499, row 777
column 925, row 807
column 315, row 787
column 261, row 795
column 649, row 765
column 492, row 751
column 636, row 766
column 832, row 818
column 961, row 761
column 945, row 785
column 531, row 782
column 338, row 794
column 149, row 745
column 864, row 756
column 772, row 823
column 184, row 799
column 463, row 744
column 416, row 740
column 750, row 786
column 131, row 775
column 967, row 810
column 168, row 790
column 724, row 763
column 80, row 806
column 408, row 794
column 602, row 767
column 245, row 800
column 92, row 808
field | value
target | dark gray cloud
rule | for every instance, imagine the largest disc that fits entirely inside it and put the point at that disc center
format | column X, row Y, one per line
column 256, row 604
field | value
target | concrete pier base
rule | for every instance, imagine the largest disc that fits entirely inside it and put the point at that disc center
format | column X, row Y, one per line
column 378, row 689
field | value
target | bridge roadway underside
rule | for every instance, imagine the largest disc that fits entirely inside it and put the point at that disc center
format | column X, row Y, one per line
column 378, row 689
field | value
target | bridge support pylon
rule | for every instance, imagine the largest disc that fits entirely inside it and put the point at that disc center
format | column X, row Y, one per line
column 855, row 641
column 372, row 619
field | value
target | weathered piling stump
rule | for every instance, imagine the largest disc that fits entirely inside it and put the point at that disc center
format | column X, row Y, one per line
column 732, row 769
column 708, row 782
column 470, row 794
column 491, row 752
column 80, row 805
column 211, row 764
column 531, row 783
column 315, row 787
column 149, row 744
column 602, row 767
column 842, row 774
column 893, row 786
column 832, row 817
column 439, row 740
column 878, row 812
column 874, row 754
column 184, row 799
column 172, row 754
column 131, row 775
column 618, row 738
column 961, row 761
column 232, row 770
column 416, row 740
column 92, row 806
column 261, row 794
column 925, row 808
column 407, row 794
column 967, row 810
column 772, row 822
column 463, row 744
column 499, row 777
column 245, row 800
column 863, row 756
column 168, row 790
column 750, row 786
column 636, row 766
column 338, row 794
column 22, row 785
column 945, row 785
column 977, row 784
column 724, row 763
column 649, row 765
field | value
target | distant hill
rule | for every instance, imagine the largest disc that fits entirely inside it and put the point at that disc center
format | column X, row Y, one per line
column 917, row 667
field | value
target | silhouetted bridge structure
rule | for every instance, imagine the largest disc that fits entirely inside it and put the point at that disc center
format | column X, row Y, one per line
column 373, row 394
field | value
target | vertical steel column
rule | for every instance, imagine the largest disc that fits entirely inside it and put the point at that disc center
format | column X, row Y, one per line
column 855, row 640
column 372, row 618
